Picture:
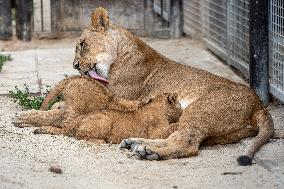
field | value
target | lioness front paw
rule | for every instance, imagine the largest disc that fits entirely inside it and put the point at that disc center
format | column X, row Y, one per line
column 140, row 148
column 128, row 144
column 143, row 152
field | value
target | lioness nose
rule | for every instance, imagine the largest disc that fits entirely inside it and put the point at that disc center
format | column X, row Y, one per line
column 76, row 65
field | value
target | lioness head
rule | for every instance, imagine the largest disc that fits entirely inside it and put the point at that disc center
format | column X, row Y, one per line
column 96, row 49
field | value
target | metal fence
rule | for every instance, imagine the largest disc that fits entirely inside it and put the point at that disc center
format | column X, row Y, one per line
column 276, row 38
column 215, row 26
column 238, row 35
column 162, row 8
column 225, row 30
column 193, row 17
column 167, row 18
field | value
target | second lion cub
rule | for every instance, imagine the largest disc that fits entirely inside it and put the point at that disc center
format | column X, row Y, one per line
column 93, row 113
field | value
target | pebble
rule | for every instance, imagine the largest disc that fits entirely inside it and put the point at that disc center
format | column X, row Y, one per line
column 55, row 168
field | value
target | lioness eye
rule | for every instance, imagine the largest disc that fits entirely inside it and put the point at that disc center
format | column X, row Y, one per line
column 82, row 45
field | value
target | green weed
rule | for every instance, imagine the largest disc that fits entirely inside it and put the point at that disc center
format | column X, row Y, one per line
column 26, row 100
column 4, row 58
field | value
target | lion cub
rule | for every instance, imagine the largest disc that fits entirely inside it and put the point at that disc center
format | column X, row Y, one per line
column 91, row 112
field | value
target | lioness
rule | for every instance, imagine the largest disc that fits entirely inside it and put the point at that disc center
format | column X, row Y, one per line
column 91, row 112
column 216, row 109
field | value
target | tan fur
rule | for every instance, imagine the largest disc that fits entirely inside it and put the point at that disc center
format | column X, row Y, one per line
column 137, row 71
column 92, row 113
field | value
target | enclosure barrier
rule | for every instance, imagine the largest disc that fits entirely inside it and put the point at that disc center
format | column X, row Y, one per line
column 276, row 53
column 63, row 18
column 224, row 25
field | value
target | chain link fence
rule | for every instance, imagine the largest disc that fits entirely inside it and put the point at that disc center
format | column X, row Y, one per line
column 193, row 17
column 225, row 29
column 215, row 26
column 276, row 39
column 238, row 35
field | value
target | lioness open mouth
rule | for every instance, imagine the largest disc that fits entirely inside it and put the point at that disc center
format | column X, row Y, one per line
column 93, row 74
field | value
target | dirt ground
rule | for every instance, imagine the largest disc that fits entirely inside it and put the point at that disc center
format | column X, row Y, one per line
column 25, row 158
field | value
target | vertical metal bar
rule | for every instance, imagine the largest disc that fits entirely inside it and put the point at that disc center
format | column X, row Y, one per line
column 176, row 18
column 24, row 11
column 149, row 17
column 41, row 14
column 229, row 32
column 55, row 16
column 5, row 20
column 258, row 46
column 162, row 7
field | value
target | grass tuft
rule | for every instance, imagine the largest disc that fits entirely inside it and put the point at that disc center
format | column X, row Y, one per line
column 26, row 100
column 4, row 58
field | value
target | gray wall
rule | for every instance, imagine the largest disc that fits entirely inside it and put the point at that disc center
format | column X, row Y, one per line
column 74, row 15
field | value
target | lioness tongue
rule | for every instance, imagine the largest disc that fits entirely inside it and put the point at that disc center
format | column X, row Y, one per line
column 93, row 74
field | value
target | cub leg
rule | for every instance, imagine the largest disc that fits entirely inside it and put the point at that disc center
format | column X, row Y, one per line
column 95, row 126
column 50, row 130
column 39, row 118
column 162, row 130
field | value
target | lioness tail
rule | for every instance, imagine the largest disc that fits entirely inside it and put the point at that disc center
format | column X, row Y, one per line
column 266, row 128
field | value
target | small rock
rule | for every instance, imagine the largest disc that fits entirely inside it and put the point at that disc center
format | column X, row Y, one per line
column 232, row 173
column 175, row 186
column 55, row 168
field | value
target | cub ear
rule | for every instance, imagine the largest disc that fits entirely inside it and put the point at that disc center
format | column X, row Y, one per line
column 100, row 19
column 172, row 98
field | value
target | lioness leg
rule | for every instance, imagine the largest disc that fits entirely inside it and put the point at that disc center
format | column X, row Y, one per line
column 230, row 138
column 177, row 145
column 208, row 116
column 39, row 118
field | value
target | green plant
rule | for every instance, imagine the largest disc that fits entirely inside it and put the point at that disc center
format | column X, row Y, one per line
column 4, row 58
column 25, row 99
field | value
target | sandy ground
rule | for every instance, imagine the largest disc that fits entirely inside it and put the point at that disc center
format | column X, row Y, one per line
column 25, row 158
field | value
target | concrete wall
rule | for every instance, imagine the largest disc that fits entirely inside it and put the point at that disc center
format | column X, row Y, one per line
column 60, row 17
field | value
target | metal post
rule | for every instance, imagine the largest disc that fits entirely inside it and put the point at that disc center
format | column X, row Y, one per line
column 55, row 16
column 5, row 20
column 24, row 11
column 149, row 17
column 176, row 18
column 258, row 46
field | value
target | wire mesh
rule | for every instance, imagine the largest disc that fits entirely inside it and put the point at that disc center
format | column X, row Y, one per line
column 238, row 34
column 162, row 7
column 215, row 26
column 192, row 17
column 276, row 39
column 162, row 14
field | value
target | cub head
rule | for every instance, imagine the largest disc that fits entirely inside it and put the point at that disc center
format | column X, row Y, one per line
column 96, row 49
column 168, row 104
column 86, row 95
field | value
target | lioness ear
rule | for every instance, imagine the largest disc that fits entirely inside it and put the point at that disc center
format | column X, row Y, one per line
column 100, row 19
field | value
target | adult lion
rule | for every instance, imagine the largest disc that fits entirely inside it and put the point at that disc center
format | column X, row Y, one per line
column 216, row 110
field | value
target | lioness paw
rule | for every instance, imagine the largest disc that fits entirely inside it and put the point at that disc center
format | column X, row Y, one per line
column 139, row 148
column 128, row 144
column 142, row 152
